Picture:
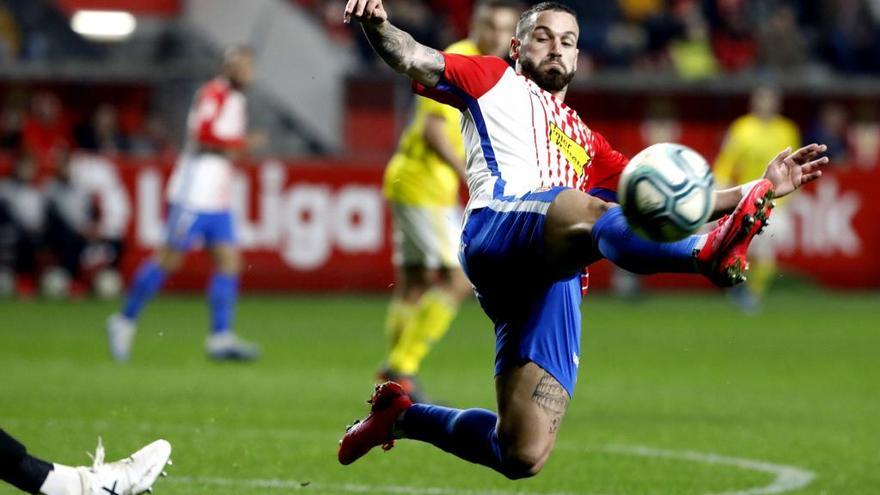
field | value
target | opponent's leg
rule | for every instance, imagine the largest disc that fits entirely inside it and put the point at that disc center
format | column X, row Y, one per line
column 402, row 304
column 432, row 316
column 413, row 281
column 426, row 245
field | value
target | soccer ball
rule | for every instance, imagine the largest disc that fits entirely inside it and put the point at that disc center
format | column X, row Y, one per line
column 666, row 192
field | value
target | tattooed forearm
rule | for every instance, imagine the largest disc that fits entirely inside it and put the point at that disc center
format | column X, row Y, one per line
column 391, row 43
column 404, row 54
column 553, row 398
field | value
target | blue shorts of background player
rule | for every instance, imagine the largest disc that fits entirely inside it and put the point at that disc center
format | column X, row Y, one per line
column 185, row 227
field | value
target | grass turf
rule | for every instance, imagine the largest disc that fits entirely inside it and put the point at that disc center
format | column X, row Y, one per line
column 798, row 385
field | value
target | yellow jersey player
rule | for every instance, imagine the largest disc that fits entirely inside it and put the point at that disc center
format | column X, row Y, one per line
column 421, row 185
column 752, row 141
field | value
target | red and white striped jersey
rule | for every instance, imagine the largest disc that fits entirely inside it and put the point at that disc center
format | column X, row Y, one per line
column 216, row 125
column 518, row 137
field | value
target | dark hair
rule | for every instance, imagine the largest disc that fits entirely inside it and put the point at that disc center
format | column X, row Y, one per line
column 527, row 16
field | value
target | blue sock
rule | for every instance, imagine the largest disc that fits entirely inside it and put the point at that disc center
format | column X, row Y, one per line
column 147, row 281
column 222, row 294
column 469, row 434
column 626, row 249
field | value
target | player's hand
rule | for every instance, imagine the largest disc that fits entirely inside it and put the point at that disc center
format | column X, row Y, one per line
column 792, row 169
column 365, row 12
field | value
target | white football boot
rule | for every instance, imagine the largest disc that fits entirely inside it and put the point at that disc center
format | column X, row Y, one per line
column 120, row 336
column 226, row 346
column 131, row 476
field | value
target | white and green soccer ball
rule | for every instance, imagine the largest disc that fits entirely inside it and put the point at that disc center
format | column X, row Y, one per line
column 667, row 192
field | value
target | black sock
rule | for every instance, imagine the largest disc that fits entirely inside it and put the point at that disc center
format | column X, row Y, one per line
column 19, row 468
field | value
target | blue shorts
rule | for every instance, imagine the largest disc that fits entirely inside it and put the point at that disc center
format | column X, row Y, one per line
column 185, row 227
column 536, row 316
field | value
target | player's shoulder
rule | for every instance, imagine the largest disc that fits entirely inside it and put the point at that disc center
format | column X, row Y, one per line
column 463, row 47
column 745, row 124
column 786, row 123
column 215, row 86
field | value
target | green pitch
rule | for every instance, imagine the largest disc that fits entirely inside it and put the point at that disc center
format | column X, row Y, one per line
column 678, row 394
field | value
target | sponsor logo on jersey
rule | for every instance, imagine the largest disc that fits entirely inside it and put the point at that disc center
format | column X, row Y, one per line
column 576, row 154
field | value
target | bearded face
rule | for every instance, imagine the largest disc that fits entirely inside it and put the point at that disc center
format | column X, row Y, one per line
column 549, row 74
column 546, row 50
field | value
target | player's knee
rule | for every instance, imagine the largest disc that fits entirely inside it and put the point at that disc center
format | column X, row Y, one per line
column 169, row 260
column 524, row 462
column 230, row 265
column 569, row 230
column 227, row 260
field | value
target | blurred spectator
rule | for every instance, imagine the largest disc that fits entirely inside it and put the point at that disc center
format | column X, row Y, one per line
column 457, row 13
column 10, row 129
column 152, row 139
column 44, row 129
column 864, row 136
column 781, row 42
column 10, row 36
column 732, row 37
column 604, row 37
column 640, row 10
column 853, row 38
column 101, row 133
column 661, row 124
column 830, row 128
column 22, row 220
column 691, row 52
column 70, row 219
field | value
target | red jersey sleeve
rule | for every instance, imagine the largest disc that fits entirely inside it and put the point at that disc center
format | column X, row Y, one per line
column 605, row 169
column 466, row 77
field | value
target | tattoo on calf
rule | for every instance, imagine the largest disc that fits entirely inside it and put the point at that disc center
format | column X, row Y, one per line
column 553, row 398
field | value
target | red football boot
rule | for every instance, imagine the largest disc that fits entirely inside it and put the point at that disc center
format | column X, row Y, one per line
column 388, row 401
column 723, row 257
column 409, row 383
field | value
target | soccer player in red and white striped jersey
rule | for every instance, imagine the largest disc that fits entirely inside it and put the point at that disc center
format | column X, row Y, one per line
column 542, row 186
column 200, row 211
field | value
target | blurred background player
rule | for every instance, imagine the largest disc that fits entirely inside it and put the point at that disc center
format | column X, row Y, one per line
column 130, row 476
column 200, row 200
column 421, row 185
column 753, row 140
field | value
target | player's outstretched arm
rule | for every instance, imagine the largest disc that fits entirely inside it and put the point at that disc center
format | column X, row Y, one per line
column 788, row 171
column 396, row 47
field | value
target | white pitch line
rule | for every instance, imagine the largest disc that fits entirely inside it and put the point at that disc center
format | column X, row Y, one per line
column 279, row 484
column 788, row 478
